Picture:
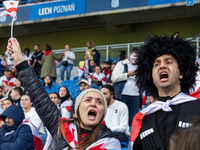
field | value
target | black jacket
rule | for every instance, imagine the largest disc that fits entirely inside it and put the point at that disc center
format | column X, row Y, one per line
column 46, row 109
column 38, row 56
column 163, row 124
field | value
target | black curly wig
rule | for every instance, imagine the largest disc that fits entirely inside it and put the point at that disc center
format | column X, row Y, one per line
column 155, row 47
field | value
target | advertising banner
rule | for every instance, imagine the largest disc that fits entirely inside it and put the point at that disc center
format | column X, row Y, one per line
column 102, row 5
column 56, row 9
column 159, row 2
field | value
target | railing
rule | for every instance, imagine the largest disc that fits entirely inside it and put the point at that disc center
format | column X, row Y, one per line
column 112, row 51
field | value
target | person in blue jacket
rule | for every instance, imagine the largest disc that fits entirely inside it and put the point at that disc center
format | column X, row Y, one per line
column 14, row 136
column 96, row 56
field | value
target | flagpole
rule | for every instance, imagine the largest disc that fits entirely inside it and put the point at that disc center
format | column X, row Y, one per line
column 12, row 27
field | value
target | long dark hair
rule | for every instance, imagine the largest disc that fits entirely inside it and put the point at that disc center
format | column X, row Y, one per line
column 90, row 138
column 49, row 84
column 68, row 96
column 28, row 51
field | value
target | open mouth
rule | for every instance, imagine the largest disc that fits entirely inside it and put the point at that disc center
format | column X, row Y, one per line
column 92, row 114
column 164, row 76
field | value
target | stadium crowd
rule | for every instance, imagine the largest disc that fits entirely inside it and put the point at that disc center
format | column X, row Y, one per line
column 146, row 101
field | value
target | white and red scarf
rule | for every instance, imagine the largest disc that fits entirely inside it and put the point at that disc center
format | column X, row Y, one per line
column 65, row 108
column 196, row 91
column 35, row 132
column 100, row 77
column 154, row 107
column 109, row 73
column 69, row 131
column 80, row 71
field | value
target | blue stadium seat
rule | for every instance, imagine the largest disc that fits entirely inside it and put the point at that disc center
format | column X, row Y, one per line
column 40, row 80
column 76, row 87
column 72, row 91
column 68, row 85
column 73, row 96
column 54, row 88
column 76, row 84
column 68, row 81
column 115, row 59
column 76, row 79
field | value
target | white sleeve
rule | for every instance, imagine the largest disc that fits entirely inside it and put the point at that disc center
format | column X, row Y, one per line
column 123, row 119
column 1, row 81
column 35, row 119
column 118, row 74
column 72, row 56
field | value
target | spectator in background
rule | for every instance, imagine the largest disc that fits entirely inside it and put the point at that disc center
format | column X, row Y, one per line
column 1, row 92
column 48, row 63
column 83, row 85
column 48, row 85
column 14, row 71
column 17, row 83
column 32, row 115
column 81, row 70
column 109, row 81
column 27, row 55
column 36, row 58
column 88, row 54
column 67, row 63
column 122, row 55
column 107, row 67
column 125, row 86
column 55, row 98
column 92, row 66
column 2, row 64
column 66, row 100
column 175, row 35
column 150, row 98
column 15, row 135
column 16, row 94
column 96, row 56
column 8, row 79
column 97, row 79
column 6, row 103
column 117, row 114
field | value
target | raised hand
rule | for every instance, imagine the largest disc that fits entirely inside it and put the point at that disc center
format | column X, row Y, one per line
column 14, row 48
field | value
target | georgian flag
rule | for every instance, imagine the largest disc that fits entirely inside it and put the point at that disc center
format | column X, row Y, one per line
column 80, row 71
column 156, row 106
column 196, row 91
column 100, row 77
column 69, row 132
column 65, row 108
column 35, row 132
column 11, row 9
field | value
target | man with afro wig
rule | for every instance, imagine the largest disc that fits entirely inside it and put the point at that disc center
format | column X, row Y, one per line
column 166, row 69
